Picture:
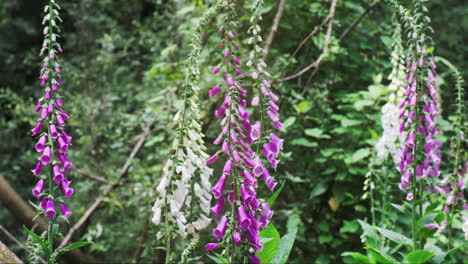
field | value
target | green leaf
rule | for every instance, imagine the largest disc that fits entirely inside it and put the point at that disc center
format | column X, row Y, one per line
column 419, row 256
column 271, row 247
column 358, row 155
column 349, row 227
column 381, row 257
column 77, row 245
column 318, row 190
column 37, row 238
column 304, row 142
column 360, row 258
column 394, row 236
column 275, row 195
column 287, row 241
column 289, row 122
column 313, row 132
column 303, row 106
column 218, row 259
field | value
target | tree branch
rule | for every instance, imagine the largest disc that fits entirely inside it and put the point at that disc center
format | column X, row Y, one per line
column 89, row 212
column 6, row 256
column 317, row 63
column 21, row 245
column 274, row 27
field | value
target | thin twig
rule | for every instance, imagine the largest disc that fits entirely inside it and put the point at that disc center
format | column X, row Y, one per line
column 317, row 63
column 358, row 20
column 311, row 34
column 274, row 27
column 89, row 175
column 98, row 201
column 8, row 234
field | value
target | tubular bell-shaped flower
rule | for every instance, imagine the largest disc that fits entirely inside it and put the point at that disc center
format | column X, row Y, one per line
column 184, row 195
column 238, row 182
column 53, row 142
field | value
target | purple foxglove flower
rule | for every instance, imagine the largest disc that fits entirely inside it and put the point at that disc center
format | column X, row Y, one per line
column 248, row 162
column 255, row 131
column 65, row 211
column 66, row 137
column 65, row 162
column 220, row 229
column 236, row 157
column 232, row 196
column 249, row 179
column 267, row 212
column 442, row 226
column 57, row 70
column 225, row 147
column 451, row 199
column 50, row 209
column 50, row 108
column 413, row 67
column 37, row 128
column 212, row 159
column 254, row 75
column 62, row 145
column 236, row 60
column 246, row 193
column 39, row 188
column 54, row 87
column 220, row 112
column 432, row 225
column 40, row 145
column 64, row 115
column 53, row 131
column 255, row 100
column 58, row 102
column 37, row 170
column 271, row 185
column 278, row 125
column 419, row 172
column 218, row 208
column 409, row 196
column 45, row 158
column 58, row 175
column 254, row 259
column 211, row 246
column 44, row 113
column 227, row 53
column 38, row 106
column 47, row 95
column 236, row 236
column 227, row 167
column 214, row 91
column 410, row 139
column 216, row 69
column 274, row 116
column 43, row 203
column 66, row 190
column 243, row 219
column 60, row 121
column 218, row 189
column 239, row 73
column 230, row 81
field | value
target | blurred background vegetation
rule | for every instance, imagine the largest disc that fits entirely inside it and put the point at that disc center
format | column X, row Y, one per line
column 123, row 62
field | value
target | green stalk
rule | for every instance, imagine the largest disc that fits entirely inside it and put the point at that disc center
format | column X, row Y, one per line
column 168, row 235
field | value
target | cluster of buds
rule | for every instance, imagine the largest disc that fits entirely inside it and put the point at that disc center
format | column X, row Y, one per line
column 420, row 153
column 53, row 142
column 243, row 165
